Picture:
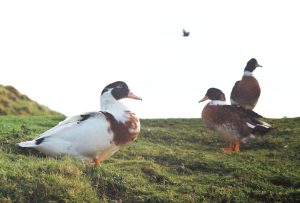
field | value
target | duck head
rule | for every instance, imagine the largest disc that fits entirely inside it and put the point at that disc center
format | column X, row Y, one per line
column 252, row 65
column 214, row 94
column 111, row 95
column 119, row 90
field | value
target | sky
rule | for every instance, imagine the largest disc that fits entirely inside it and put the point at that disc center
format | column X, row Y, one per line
column 63, row 53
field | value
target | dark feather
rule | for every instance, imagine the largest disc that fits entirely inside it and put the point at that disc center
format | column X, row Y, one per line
column 39, row 141
column 84, row 117
column 185, row 33
column 260, row 130
column 247, row 115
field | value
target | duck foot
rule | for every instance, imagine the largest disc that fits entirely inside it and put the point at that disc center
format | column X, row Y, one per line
column 237, row 146
column 97, row 162
column 234, row 146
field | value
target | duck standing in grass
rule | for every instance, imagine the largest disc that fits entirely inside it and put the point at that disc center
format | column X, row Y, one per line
column 234, row 123
column 93, row 136
column 246, row 91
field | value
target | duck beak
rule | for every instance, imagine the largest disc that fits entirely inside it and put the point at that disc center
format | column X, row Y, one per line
column 204, row 99
column 257, row 65
column 133, row 96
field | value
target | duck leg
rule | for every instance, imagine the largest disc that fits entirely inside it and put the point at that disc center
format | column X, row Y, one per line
column 230, row 148
column 236, row 146
column 97, row 161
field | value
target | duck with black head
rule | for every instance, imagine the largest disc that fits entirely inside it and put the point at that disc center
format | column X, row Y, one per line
column 235, row 124
column 246, row 91
column 93, row 136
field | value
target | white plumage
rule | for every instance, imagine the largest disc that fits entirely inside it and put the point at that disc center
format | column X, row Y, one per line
column 92, row 136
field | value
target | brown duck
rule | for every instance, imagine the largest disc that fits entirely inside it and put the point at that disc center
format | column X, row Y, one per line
column 246, row 91
column 234, row 123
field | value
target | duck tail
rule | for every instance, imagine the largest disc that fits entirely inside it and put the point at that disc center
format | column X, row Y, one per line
column 31, row 143
column 261, row 129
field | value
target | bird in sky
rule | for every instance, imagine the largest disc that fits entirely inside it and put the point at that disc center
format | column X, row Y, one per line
column 185, row 33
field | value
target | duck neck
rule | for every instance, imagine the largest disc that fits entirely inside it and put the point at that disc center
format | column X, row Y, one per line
column 111, row 105
column 248, row 74
column 217, row 102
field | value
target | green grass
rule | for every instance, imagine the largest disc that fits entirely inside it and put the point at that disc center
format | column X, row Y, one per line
column 12, row 102
column 174, row 160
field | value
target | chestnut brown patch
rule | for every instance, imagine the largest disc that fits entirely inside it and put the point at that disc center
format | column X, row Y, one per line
column 221, row 119
column 121, row 131
column 246, row 92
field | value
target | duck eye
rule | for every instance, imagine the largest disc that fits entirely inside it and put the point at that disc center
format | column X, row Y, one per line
column 120, row 86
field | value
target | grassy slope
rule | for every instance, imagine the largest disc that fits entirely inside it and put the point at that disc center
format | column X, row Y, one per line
column 12, row 102
column 174, row 160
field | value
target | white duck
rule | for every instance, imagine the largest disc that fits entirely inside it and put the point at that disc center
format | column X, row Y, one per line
column 93, row 136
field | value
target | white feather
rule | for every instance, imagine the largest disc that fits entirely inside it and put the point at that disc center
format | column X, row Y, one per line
column 248, row 74
column 266, row 125
column 250, row 125
column 217, row 102
column 116, row 108
column 88, row 138
column 27, row 144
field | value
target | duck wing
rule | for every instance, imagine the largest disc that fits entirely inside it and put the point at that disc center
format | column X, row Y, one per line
column 251, row 118
column 70, row 122
column 234, row 93
column 72, row 129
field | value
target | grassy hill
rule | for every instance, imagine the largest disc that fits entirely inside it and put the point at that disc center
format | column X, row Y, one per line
column 12, row 102
column 174, row 160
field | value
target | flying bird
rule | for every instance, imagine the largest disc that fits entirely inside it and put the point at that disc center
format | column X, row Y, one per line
column 93, row 136
column 185, row 33
column 236, row 124
column 246, row 91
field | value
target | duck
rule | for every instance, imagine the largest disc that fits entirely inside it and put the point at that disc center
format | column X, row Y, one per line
column 93, row 136
column 185, row 33
column 235, row 123
column 246, row 91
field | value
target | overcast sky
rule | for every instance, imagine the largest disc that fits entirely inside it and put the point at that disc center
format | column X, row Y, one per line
column 62, row 53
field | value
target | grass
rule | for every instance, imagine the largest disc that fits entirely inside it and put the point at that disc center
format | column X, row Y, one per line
column 12, row 102
column 174, row 160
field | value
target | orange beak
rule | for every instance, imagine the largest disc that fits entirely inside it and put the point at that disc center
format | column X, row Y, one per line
column 133, row 96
